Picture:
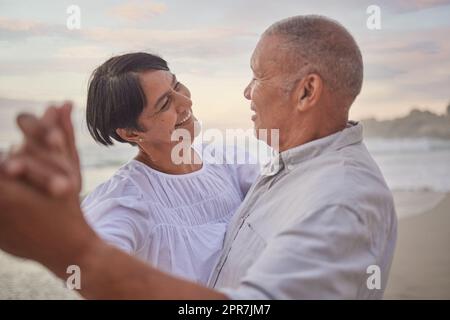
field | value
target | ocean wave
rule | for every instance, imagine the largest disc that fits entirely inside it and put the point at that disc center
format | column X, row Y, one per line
column 410, row 145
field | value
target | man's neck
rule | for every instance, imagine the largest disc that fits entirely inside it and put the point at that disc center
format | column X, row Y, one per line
column 307, row 133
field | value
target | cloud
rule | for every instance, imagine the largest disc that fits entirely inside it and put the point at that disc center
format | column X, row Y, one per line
column 19, row 25
column 403, row 6
column 64, row 67
column 403, row 69
column 20, row 29
column 379, row 71
column 81, row 52
column 198, row 43
column 137, row 11
column 194, row 43
column 14, row 28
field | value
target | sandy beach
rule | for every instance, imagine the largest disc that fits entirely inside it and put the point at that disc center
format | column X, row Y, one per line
column 420, row 270
column 421, row 266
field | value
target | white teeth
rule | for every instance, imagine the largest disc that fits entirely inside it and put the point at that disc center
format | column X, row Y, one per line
column 185, row 118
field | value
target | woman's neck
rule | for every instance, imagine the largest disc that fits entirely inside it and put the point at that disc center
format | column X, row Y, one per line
column 161, row 160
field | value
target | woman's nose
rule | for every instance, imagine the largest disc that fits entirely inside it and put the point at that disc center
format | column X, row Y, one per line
column 183, row 102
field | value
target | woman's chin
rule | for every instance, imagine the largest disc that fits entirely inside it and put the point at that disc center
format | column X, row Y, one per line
column 188, row 131
column 196, row 127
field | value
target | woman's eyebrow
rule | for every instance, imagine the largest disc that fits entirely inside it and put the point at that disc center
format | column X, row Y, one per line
column 174, row 81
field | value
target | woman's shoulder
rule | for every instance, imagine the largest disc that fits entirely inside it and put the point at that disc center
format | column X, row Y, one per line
column 232, row 161
column 117, row 199
column 120, row 185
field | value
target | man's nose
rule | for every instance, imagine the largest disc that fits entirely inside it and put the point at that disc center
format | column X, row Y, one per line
column 248, row 91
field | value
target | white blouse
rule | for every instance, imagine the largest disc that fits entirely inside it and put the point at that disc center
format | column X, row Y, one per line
column 177, row 223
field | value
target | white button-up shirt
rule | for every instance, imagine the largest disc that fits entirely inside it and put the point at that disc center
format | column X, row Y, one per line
column 320, row 224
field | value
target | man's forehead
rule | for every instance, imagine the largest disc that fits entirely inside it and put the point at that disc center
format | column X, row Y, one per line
column 253, row 61
column 264, row 54
column 258, row 56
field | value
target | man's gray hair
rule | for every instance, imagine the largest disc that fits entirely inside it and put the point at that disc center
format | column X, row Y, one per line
column 323, row 46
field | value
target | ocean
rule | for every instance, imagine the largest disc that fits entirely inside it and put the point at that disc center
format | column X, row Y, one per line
column 407, row 164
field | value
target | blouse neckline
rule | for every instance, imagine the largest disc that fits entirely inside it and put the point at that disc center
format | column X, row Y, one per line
column 170, row 175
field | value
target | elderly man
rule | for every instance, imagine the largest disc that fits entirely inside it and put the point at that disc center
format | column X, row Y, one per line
column 319, row 224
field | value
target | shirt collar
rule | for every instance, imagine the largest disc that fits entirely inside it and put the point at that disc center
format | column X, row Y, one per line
column 292, row 157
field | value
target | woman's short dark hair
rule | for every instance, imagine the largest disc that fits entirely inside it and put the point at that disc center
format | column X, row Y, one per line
column 115, row 97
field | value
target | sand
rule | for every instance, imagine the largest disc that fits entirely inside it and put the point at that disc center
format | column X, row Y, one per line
column 420, row 270
column 421, row 266
column 24, row 279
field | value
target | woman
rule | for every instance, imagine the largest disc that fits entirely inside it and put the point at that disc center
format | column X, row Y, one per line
column 172, row 215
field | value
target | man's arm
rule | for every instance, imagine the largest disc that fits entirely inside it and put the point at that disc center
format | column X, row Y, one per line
column 50, row 228
column 108, row 273
column 54, row 233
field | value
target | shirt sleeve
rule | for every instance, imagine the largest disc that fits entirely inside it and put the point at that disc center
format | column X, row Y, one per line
column 246, row 167
column 247, row 175
column 323, row 256
column 122, row 222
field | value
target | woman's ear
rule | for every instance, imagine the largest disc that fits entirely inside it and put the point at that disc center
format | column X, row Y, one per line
column 128, row 135
column 309, row 91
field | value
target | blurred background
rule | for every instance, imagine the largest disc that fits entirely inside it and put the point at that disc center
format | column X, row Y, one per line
column 404, row 104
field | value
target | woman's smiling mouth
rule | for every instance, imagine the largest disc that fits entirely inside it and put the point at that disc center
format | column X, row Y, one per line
column 185, row 119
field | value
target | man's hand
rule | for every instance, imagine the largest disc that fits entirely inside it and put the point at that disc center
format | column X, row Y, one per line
column 37, row 226
column 47, row 158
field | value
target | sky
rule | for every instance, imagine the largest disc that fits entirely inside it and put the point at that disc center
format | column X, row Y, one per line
column 208, row 44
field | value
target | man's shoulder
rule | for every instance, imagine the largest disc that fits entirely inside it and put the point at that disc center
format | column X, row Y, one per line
column 346, row 169
column 343, row 178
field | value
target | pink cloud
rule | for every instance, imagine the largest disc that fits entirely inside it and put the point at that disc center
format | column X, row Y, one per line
column 11, row 29
column 137, row 11
column 18, row 25
column 198, row 43
column 416, row 5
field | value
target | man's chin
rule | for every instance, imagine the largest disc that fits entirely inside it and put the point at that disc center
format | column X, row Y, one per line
column 260, row 133
column 268, row 136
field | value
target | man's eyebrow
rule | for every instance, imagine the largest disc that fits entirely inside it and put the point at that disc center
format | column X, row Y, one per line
column 253, row 68
column 174, row 81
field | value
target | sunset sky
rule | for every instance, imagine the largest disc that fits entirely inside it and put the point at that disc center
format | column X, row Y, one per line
column 208, row 45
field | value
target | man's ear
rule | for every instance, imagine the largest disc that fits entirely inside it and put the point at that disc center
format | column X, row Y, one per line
column 309, row 91
column 128, row 135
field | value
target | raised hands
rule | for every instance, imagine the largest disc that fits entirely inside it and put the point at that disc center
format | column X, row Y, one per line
column 47, row 158
column 40, row 215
